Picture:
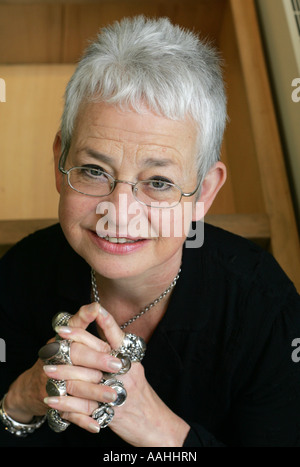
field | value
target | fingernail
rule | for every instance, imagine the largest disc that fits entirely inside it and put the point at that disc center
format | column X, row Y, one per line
column 63, row 329
column 109, row 396
column 94, row 428
column 49, row 368
column 102, row 311
column 51, row 400
column 115, row 365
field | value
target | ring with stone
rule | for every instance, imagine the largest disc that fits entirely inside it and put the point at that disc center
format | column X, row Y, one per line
column 55, row 422
column 56, row 353
column 55, row 387
column 133, row 347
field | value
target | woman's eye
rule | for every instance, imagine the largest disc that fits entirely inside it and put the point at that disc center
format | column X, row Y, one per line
column 93, row 171
column 160, row 184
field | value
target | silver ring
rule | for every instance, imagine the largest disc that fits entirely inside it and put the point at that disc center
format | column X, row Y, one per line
column 133, row 347
column 56, row 353
column 55, row 422
column 103, row 415
column 118, row 386
column 61, row 319
column 55, row 387
column 126, row 363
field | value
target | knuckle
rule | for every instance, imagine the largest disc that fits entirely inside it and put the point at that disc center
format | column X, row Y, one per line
column 90, row 406
column 65, row 415
column 105, row 361
column 110, row 322
column 98, row 375
column 105, row 347
column 95, row 393
column 71, row 387
column 84, row 310
column 82, row 313
column 74, row 352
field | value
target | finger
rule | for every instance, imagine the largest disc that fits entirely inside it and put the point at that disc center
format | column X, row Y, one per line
column 83, row 337
column 67, row 372
column 83, row 421
column 85, row 316
column 82, row 418
column 71, row 404
column 111, row 329
column 84, row 405
column 89, row 358
column 83, row 356
column 89, row 391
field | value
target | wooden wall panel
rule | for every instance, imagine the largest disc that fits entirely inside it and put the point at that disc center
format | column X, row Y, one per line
column 239, row 140
column 29, row 120
column 57, row 32
column 273, row 178
column 82, row 21
column 225, row 202
column 30, row 33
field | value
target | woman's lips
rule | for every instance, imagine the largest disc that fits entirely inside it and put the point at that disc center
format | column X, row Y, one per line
column 118, row 245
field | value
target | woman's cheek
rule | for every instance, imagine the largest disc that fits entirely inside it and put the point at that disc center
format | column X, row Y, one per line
column 170, row 222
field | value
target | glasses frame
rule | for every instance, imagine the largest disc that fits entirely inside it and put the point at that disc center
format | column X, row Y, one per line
column 115, row 181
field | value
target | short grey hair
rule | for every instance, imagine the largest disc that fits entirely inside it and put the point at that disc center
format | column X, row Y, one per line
column 141, row 60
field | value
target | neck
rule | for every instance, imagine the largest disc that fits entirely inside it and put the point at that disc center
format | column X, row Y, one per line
column 125, row 297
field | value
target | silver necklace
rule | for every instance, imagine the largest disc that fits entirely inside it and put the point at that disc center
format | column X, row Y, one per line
column 144, row 310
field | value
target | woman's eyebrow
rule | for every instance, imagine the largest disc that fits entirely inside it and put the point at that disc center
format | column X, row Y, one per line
column 144, row 162
column 96, row 155
column 157, row 162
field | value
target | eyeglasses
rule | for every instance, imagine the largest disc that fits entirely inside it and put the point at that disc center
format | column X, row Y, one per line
column 92, row 181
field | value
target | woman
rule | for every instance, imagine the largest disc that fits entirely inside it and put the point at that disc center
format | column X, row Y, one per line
column 140, row 137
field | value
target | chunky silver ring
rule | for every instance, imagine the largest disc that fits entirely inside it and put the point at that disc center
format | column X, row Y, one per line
column 55, row 422
column 56, row 353
column 61, row 319
column 103, row 415
column 126, row 363
column 133, row 347
column 55, row 387
column 118, row 386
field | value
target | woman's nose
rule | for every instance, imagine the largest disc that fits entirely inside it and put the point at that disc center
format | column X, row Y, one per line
column 122, row 187
column 124, row 202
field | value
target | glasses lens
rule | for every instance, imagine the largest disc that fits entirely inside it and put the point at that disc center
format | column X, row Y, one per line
column 90, row 181
column 157, row 193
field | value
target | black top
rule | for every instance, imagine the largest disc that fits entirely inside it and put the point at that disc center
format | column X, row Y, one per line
column 221, row 357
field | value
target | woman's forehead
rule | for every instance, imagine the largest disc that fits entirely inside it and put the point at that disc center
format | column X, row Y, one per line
column 105, row 129
column 107, row 120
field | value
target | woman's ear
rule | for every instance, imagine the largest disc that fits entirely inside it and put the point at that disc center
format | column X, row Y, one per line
column 212, row 183
column 57, row 154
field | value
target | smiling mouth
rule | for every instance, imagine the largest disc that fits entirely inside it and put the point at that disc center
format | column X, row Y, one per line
column 120, row 239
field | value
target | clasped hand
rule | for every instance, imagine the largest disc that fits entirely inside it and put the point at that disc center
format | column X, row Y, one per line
column 144, row 420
